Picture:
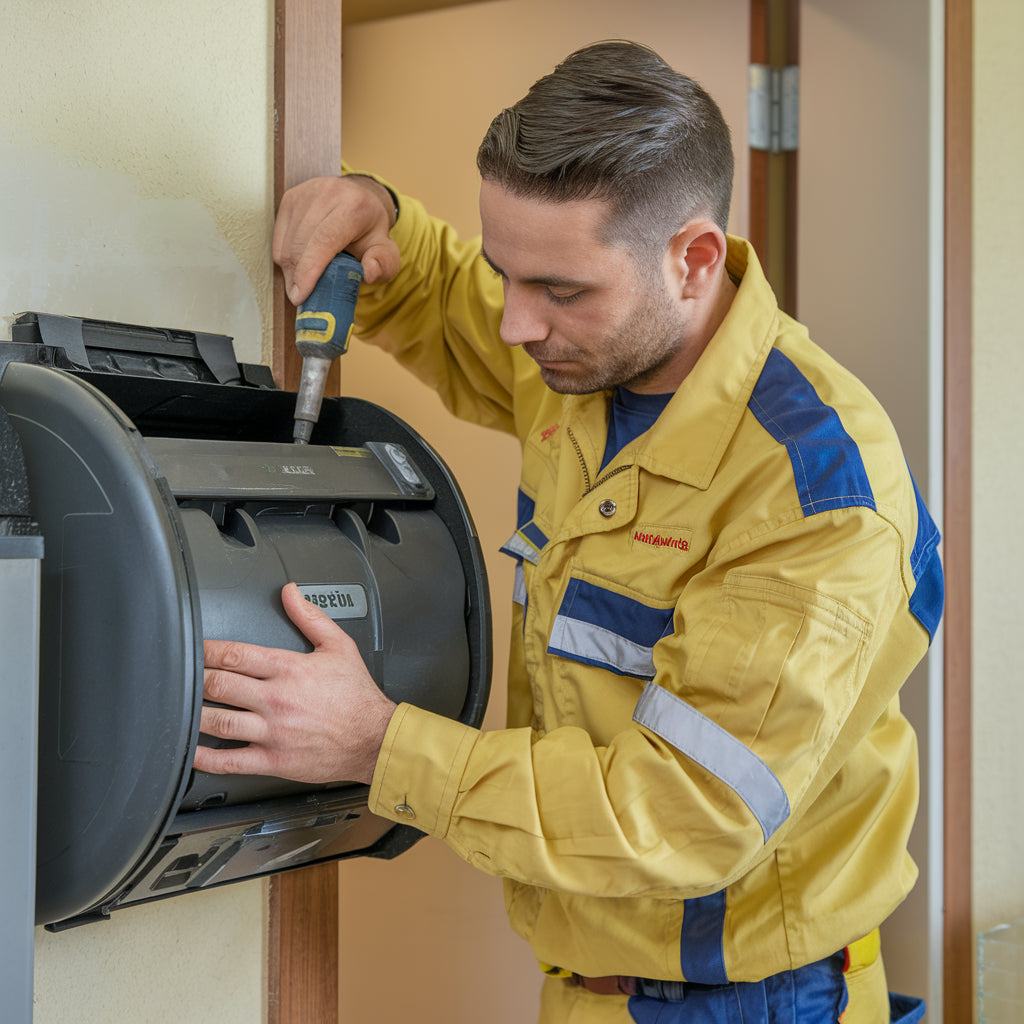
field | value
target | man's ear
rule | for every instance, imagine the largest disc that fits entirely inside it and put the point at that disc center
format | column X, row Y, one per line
column 694, row 259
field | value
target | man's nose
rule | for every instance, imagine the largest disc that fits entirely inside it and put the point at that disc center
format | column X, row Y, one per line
column 521, row 320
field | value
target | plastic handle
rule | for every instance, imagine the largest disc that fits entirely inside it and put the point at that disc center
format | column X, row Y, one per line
column 323, row 323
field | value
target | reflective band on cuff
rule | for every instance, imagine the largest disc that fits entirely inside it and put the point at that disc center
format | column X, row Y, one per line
column 696, row 736
column 519, row 547
column 519, row 585
column 596, row 645
column 529, row 539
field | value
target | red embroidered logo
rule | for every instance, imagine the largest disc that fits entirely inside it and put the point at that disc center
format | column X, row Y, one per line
column 659, row 540
column 545, row 435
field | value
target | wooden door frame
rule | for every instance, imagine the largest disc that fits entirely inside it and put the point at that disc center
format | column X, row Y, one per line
column 303, row 910
column 958, row 924
column 302, row 982
column 775, row 41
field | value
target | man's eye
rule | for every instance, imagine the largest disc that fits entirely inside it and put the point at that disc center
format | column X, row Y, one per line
column 563, row 298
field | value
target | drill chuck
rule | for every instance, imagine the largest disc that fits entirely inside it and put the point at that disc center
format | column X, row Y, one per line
column 323, row 327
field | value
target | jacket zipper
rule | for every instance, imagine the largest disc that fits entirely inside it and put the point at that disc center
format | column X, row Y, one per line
column 582, row 462
column 587, row 488
column 607, row 476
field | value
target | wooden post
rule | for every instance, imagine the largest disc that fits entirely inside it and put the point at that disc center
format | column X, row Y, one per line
column 302, row 936
column 775, row 42
column 307, row 131
column 959, row 960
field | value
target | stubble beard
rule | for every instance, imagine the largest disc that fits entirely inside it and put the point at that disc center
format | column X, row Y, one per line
column 630, row 357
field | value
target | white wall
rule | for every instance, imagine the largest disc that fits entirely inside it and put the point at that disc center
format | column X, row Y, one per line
column 135, row 163
column 998, row 459
column 135, row 185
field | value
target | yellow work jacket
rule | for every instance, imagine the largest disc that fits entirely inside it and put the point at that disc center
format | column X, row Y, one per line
column 705, row 775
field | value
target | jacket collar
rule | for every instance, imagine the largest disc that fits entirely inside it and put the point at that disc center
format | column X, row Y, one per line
column 690, row 437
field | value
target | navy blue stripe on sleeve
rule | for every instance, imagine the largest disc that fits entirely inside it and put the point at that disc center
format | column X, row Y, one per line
column 827, row 466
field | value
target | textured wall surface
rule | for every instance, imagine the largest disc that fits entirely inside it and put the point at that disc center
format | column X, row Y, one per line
column 135, row 163
column 998, row 457
column 135, row 170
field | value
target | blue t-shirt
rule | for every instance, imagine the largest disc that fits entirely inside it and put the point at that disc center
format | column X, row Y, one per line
column 631, row 414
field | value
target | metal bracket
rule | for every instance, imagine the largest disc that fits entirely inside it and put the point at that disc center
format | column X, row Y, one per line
column 773, row 108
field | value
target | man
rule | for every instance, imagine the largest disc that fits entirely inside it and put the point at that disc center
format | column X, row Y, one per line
column 701, row 803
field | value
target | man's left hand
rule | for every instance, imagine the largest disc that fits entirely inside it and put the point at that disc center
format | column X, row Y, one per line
column 316, row 717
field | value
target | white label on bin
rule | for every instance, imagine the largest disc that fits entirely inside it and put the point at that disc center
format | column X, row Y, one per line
column 339, row 600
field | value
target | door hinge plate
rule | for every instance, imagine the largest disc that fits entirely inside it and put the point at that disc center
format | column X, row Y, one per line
column 773, row 108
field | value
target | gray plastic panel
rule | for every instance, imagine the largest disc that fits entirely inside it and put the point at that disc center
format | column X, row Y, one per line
column 121, row 649
column 19, row 632
column 137, row 571
column 411, row 631
column 236, row 470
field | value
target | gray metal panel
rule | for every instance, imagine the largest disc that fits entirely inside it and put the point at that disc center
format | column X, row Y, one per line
column 19, row 633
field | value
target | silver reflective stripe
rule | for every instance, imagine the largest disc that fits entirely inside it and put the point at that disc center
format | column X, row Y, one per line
column 696, row 736
column 518, row 545
column 597, row 644
column 519, row 585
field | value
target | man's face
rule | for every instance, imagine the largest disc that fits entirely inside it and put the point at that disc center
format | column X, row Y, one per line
column 579, row 306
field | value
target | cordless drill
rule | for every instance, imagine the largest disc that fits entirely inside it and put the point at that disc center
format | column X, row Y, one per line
column 323, row 326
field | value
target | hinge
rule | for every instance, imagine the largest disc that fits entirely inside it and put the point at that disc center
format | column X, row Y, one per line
column 773, row 108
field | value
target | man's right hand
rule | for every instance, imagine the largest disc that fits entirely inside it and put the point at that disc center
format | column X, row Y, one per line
column 322, row 216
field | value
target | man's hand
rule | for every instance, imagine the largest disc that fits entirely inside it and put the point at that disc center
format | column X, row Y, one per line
column 322, row 216
column 316, row 717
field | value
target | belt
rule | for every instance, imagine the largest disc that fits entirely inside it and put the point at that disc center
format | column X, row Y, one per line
column 624, row 985
column 858, row 954
column 609, row 985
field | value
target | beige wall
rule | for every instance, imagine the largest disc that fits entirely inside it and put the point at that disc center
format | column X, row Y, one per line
column 998, row 454
column 863, row 282
column 425, row 938
column 135, row 185
column 135, row 163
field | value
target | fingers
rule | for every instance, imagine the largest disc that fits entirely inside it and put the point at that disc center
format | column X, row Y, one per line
column 381, row 261
column 232, row 724
column 312, row 717
column 322, row 216
column 232, row 761
column 242, row 659
column 314, row 624
column 240, row 676
column 314, row 240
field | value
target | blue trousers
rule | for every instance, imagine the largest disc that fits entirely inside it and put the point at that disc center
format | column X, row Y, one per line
column 820, row 993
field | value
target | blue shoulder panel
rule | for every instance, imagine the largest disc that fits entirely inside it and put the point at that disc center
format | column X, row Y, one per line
column 827, row 466
column 829, row 472
column 929, row 592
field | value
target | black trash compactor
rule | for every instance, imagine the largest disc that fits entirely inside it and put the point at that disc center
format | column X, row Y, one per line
column 173, row 507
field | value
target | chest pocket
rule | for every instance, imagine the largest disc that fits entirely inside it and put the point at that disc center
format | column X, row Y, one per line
column 602, row 627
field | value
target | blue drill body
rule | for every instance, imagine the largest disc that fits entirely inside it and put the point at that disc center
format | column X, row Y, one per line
column 323, row 327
